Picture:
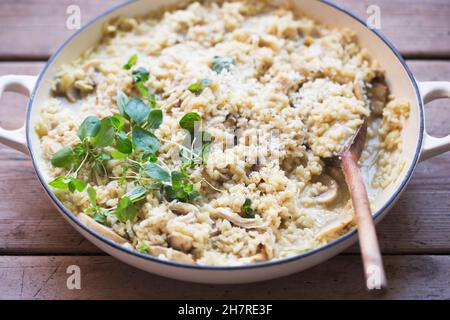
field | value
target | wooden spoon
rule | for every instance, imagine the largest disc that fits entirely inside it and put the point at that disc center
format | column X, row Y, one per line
column 372, row 261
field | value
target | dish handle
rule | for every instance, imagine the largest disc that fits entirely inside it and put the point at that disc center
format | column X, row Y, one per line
column 16, row 139
column 430, row 91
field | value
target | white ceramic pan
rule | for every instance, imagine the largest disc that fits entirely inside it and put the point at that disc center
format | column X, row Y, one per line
column 417, row 144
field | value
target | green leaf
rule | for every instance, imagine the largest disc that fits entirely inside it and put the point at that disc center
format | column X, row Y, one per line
column 125, row 209
column 63, row 157
column 157, row 172
column 118, row 122
column 142, row 89
column 60, row 183
column 140, row 75
column 152, row 101
column 72, row 187
column 150, row 157
column 105, row 135
column 145, row 140
column 131, row 62
column 247, row 210
column 186, row 194
column 99, row 216
column 116, row 154
column 136, row 194
column 222, row 63
column 137, row 110
column 142, row 247
column 89, row 128
column 177, row 180
column 76, row 185
column 155, row 118
column 123, row 143
column 188, row 121
column 92, row 196
column 198, row 87
column 122, row 101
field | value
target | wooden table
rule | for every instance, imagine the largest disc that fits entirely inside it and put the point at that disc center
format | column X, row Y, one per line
column 37, row 245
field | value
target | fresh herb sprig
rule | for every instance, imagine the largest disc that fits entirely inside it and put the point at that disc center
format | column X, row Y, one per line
column 94, row 135
column 140, row 76
column 130, row 136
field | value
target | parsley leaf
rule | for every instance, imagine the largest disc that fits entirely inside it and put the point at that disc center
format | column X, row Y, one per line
column 131, row 62
column 155, row 118
column 60, row 183
column 152, row 100
column 145, row 140
column 137, row 110
column 157, row 172
column 105, row 135
column 76, row 185
column 136, row 194
column 142, row 247
column 70, row 183
column 123, row 143
column 198, row 87
column 88, row 128
column 121, row 100
column 63, row 158
column 247, row 210
column 189, row 120
column 125, row 209
column 140, row 77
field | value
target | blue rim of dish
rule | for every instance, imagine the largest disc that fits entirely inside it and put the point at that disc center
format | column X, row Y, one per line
column 271, row 263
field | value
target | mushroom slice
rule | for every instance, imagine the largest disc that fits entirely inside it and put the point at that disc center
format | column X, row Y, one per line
column 184, row 208
column 378, row 94
column 332, row 226
column 180, row 241
column 359, row 89
column 171, row 254
column 237, row 220
column 214, row 233
column 331, row 194
column 103, row 230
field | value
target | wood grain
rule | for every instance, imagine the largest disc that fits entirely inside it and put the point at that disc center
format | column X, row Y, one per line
column 29, row 224
column 410, row 277
column 34, row 29
column 414, row 237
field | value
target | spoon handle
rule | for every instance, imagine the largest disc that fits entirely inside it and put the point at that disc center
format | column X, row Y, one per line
column 373, row 263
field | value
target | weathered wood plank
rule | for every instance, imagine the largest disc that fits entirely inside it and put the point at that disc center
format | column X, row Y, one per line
column 419, row 223
column 35, row 28
column 410, row 277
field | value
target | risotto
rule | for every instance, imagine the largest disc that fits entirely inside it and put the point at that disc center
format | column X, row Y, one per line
column 204, row 134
